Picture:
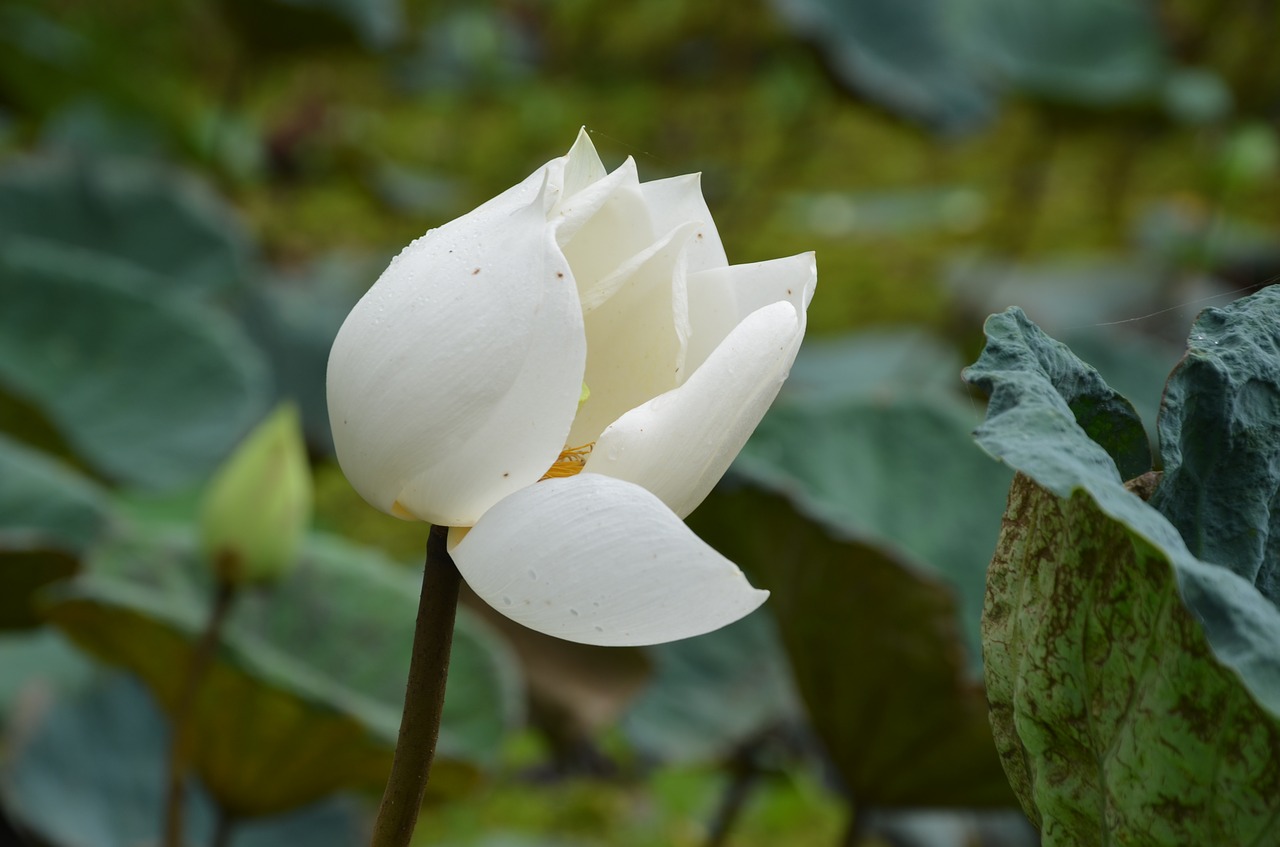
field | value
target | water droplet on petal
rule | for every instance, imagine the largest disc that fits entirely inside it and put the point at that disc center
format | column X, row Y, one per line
column 533, row 574
column 506, row 601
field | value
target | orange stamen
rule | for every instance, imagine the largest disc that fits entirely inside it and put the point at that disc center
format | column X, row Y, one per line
column 571, row 462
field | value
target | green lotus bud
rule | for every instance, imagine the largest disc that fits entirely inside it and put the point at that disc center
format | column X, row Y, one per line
column 258, row 504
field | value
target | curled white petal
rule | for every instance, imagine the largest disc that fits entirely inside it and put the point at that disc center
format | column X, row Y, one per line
column 637, row 325
column 679, row 444
column 678, row 200
column 720, row 298
column 600, row 561
column 454, row 380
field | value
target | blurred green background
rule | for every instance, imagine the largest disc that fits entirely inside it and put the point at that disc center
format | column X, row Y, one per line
column 194, row 192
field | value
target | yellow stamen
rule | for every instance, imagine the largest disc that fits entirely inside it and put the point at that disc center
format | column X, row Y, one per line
column 570, row 463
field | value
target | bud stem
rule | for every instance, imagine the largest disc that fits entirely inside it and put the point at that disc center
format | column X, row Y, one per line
column 424, row 696
column 179, row 746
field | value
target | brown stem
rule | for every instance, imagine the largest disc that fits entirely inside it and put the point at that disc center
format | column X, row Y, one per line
column 424, row 697
column 223, row 826
column 744, row 775
column 179, row 747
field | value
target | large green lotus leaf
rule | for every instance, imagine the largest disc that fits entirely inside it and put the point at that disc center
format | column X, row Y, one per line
column 91, row 774
column 904, row 54
column 873, row 639
column 1220, row 440
column 874, row 465
column 883, row 365
column 945, row 62
column 48, row 514
column 37, row 662
column 146, row 390
column 157, row 219
column 713, row 693
column 294, row 317
column 1134, row 687
column 306, row 693
column 1088, row 52
column 42, row 496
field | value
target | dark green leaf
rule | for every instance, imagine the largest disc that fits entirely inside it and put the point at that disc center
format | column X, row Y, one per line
column 305, row 696
column 713, row 693
column 146, row 390
column 38, row 662
column 873, row 467
column 1220, row 440
column 294, row 319
column 1085, row 52
column 270, row 25
column 43, row 497
column 878, row 660
column 48, row 514
column 905, row 55
column 91, row 775
column 158, row 220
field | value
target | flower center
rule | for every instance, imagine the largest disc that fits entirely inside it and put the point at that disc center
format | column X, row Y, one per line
column 570, row 463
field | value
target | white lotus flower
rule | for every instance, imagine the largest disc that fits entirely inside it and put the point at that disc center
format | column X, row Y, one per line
column 562, row 375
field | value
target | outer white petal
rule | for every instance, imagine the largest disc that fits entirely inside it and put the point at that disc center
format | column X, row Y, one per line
column 454, row 381
column 719, row 299
column 678, row 200
column 600, row 561
column 678, row 445
column 637, row 323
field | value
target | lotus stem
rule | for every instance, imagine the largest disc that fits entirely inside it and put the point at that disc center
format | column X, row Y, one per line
column 424, row 696
column 180, row 744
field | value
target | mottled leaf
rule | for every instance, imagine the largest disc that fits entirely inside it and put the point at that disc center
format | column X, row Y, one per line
column 1035, row 364
column 1220, row 440
column 1134, row 687
column 1114, row 720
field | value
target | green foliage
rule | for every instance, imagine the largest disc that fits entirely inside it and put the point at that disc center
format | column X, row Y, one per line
column 1134, row 687
column 282, row 25
column 44, row 498
column 1220, row 441
column 872, row 435
column 147, row 390
column 158, row 220
column 945, row 63
column 111, row 736
column 48, row 515
column 681, row 716
column 826, row 515
column 899, row 713
column 306, row 693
